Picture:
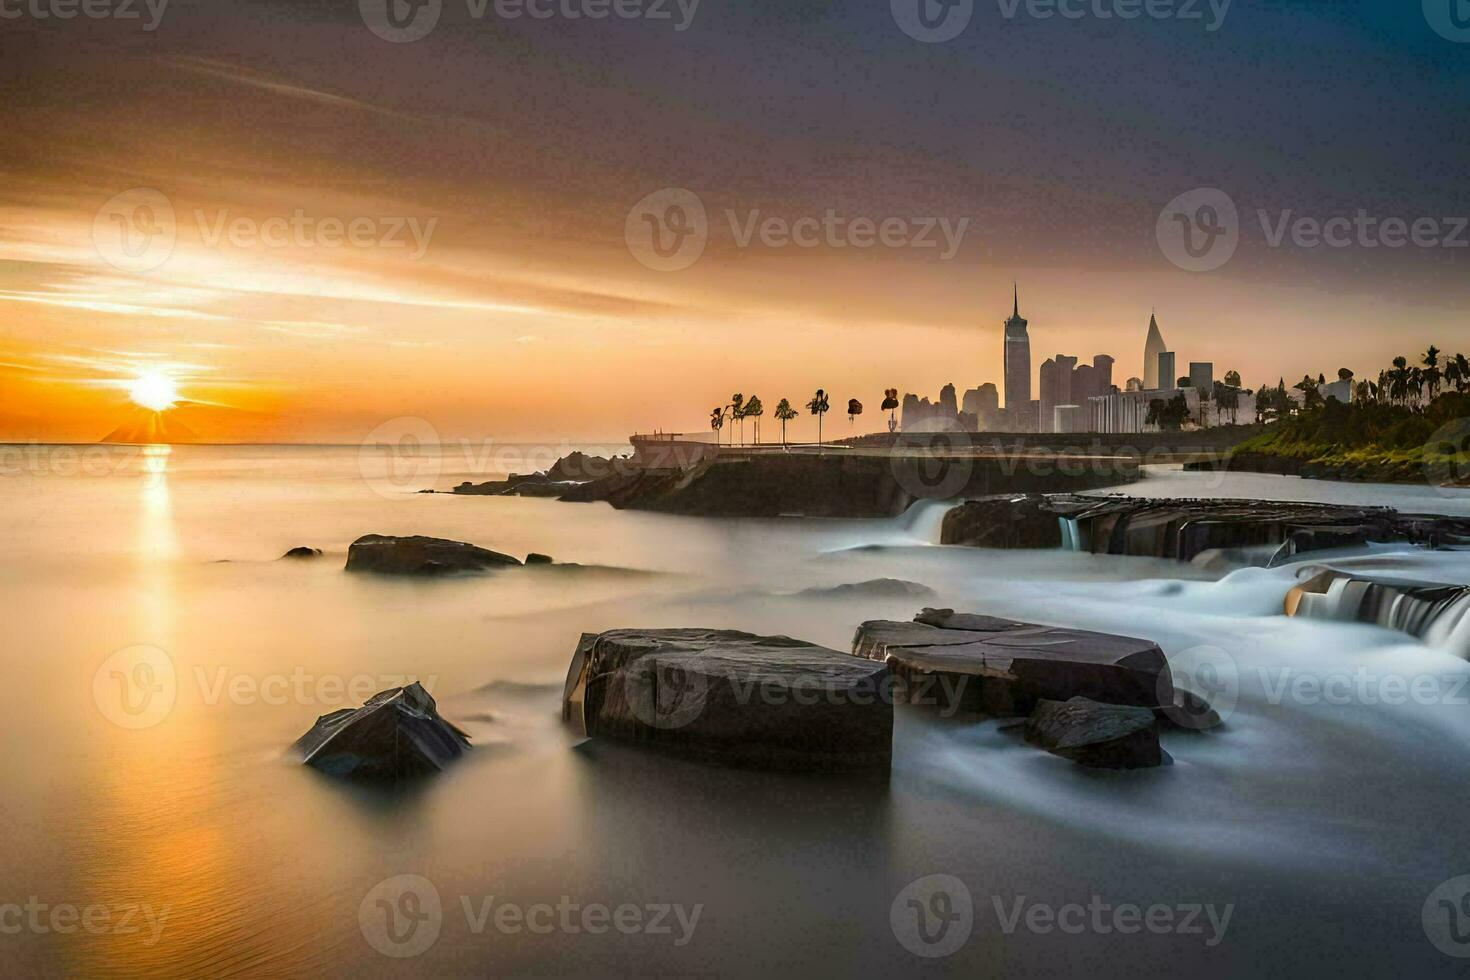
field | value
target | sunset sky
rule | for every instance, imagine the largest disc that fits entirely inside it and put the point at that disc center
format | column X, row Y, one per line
column 521, row 145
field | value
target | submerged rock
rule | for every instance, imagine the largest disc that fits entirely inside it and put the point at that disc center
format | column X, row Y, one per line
column 1420, row 609
column 1185, row 528
column 1102, row 736
column 878, row 588
column 1003, row 667
column 396, row 734
column 303, row 552
column 419, row 555
column 722, row 696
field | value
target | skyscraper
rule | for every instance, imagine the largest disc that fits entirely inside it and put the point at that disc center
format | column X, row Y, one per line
column 1017, row 366
column 1164, row 370
column 1152, row 348
column 1055, row 389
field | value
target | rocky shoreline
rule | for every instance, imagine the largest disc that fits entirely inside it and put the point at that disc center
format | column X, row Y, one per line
column 838, row 485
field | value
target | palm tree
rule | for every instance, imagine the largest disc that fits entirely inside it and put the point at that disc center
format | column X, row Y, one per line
column 1463, row 366
column 1398, row 380
column 1416, row 383
column 1452, row 374
column 1432, row 373
column 717, row 421
column 890, row 405
column 784, row 413
column 754, row 410
column 736, row 401
column 818, row 406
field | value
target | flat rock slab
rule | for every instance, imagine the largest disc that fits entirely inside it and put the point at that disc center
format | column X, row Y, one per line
column 418, row 555
column 1003, row 667
column 1184, row 528
column 733, row 698
column 1102, row 736
column 396, row 734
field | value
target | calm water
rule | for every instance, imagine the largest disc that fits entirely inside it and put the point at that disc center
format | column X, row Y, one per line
column 1322, row 823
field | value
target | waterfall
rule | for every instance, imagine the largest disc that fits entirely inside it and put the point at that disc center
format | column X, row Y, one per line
column 1071, row 533
column 1435, row 613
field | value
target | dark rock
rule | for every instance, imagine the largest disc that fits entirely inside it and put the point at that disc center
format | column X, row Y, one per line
column 732, row 698
column 878, row 588
column 515, row 483
column 836, row 485
column 1189, row 712
column 579, row 467
column 534, row 558
column 1102, row 736
column 418, row 555
column 397, row 734
column 542, row 488
column 1185, row 528
column 303, row 552
column 1411, row 607
column 1003, row 667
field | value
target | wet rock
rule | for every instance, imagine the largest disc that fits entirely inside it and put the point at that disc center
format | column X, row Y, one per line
column 1003, row 667
column 303, row 552
column 419, row 555
column 732, row 698
column 396, row 734
column 1186, row 528
column 1188, row 711
column 535, row 558
column 1101, row 736
column 1415, row 608
column 878, row 588
column 515, row 483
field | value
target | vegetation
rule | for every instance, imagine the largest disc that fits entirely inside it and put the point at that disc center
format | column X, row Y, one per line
column 818, row 406
column 1412, row 424
column 784, row 413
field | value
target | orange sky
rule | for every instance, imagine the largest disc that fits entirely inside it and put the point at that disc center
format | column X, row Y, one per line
column 526, row 317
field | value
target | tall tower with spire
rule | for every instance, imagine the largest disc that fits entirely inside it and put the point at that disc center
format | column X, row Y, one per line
column 1152, row 348
column 1017, row 364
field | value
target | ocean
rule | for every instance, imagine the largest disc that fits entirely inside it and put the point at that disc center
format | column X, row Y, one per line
column 171, row 833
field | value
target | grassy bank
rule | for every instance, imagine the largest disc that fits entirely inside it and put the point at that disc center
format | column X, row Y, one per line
column 1370, row 441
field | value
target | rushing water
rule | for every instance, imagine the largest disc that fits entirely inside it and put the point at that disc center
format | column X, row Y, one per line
column 1322, row 815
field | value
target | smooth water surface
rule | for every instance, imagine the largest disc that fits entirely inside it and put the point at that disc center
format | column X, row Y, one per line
column 1322, row 822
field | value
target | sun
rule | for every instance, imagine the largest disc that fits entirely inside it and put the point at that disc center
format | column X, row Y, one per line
column 155, row 392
